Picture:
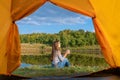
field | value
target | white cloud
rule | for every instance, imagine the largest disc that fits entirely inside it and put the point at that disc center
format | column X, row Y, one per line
column 28, row 18
column 52, row 15
column 36, row 20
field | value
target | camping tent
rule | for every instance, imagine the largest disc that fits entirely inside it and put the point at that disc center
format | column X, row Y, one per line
column 105, row 15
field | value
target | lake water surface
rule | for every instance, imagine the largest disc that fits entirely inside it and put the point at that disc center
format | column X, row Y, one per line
column 23, row 65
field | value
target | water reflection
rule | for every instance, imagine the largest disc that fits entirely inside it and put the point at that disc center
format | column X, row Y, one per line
column 23, row 65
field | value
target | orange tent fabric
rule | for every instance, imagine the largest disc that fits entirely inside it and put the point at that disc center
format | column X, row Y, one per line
column 107, row 29
column 11, row 11
column 105, row 15
column 78, row 6
column 18, row 11
column 5, row 21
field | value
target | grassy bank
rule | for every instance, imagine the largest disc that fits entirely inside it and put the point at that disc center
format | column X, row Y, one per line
column 34, row 71
column 80, row 63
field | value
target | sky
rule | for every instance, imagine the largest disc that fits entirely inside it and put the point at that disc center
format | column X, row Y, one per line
column 51, row 19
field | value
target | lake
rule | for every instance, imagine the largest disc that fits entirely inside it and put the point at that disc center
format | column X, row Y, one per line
column 23, row 65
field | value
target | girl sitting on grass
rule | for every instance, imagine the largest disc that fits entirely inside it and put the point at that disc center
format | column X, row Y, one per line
column 58, row 60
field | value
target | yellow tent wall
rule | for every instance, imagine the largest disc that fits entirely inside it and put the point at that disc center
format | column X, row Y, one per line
column 107, row 25
column 12, row 10
column 105, row 15
column 5, row 21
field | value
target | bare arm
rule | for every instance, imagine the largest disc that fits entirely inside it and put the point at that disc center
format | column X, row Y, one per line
column 64, row 56
column 66, row 53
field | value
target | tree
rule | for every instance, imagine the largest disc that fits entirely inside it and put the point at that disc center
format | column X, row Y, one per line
column 73, row 38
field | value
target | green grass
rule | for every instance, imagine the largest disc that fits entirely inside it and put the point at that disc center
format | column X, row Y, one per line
column 80, row 63
column 34, row 71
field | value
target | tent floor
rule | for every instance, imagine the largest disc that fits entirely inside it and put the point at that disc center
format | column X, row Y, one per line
column 82, row 78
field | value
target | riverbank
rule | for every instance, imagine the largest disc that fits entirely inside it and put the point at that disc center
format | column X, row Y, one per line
column 37, row 70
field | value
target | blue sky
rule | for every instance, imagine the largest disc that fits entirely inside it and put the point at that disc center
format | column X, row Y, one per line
column 52, row 19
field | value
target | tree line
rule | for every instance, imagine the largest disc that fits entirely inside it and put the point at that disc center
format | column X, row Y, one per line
column 68, row 38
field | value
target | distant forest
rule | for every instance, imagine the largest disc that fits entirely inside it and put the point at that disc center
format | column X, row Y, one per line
column 71, row 38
